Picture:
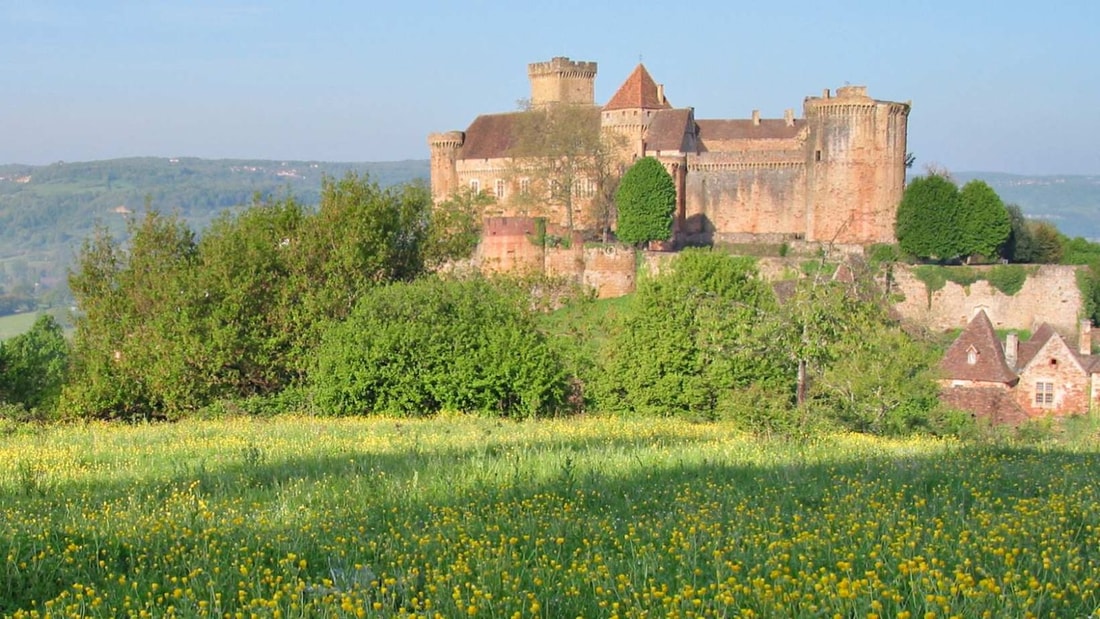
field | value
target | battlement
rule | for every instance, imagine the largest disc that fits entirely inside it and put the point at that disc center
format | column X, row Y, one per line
column 446, row 139
column 562, row 66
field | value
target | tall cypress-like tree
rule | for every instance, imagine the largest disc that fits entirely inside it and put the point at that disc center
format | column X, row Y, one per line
column 646, row 201
column 984, row 223
column 928, row 219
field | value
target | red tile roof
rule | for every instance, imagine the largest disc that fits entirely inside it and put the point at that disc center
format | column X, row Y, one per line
column 671, row 130
column 744, row 129
column 490, row 136
column 638, row 91
column 989, row 357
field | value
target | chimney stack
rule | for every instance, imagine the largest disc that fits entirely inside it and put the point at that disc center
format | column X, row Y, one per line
column 788, row 117
column 661, row 93
column 755, row 118
column 1084, row 337
column 1012, row 350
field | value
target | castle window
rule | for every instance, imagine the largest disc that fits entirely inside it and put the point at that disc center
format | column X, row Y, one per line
column 1044, row 394
column 817, row 155
column 475, row 185
column 525, row 186
column 500, row 188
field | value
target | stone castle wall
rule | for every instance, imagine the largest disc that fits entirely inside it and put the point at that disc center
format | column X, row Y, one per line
column 1049, row 295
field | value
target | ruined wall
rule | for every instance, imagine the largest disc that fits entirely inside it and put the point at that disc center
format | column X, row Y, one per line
column 725, row 200
column 1050, row 295
column 609, row 270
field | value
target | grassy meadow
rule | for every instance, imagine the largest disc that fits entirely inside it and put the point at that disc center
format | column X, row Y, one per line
column 16, row 324
column 461, row 517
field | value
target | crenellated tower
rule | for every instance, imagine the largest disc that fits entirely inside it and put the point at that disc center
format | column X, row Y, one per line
column 561, row 80
column 444, row 172
column 855, row 163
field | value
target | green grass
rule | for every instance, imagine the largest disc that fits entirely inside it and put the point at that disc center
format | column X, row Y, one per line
column 16, row 324
column 307, row 517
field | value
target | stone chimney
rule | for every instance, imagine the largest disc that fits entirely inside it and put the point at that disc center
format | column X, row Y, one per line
column 1084, row 337
column 1012, row 350
column 788, row 117
column 660, row 93
column 755, row 117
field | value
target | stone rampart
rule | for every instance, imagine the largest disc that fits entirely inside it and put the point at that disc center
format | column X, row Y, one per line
column 1050, row 294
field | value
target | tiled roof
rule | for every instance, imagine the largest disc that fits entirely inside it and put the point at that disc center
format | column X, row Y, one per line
column 1030, row 348
column 495, row 136
column 745, row 129
column 671, row 130
column 490, row 136
column 638, row 91
column 989, row 357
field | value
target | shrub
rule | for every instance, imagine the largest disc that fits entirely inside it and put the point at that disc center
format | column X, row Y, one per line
column 433, row 345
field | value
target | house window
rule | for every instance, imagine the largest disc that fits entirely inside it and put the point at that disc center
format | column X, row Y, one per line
column 525, row 186
column 1044, row 394
column 500, row 188
column 475, row 185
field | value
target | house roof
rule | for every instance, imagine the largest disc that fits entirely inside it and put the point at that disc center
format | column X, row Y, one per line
column 671, row 130
column 490, row 136
column 496, row 136
column 1045, row 338
column 989, row 358
column 638, row 91
column 746, row 129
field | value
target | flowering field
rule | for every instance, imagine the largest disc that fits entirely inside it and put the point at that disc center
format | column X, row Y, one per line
column 301, row 517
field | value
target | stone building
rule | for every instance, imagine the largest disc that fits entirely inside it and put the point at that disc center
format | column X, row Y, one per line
column 1014, row 381
column 835, row 175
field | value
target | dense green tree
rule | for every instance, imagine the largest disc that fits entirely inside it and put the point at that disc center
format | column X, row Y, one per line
column 169, row 324
column 684, row 344
column 928, row 219
column 646, row 202
column 1048, row 246
column 1020, row 246
column 438, row 344
column 455, row 227
column 984, row 224
column 34, row 365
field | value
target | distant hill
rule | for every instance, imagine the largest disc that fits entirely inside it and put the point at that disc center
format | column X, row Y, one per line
column 47, row 211
column 1070, row 202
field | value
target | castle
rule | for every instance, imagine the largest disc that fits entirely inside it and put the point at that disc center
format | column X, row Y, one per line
column 834, row 176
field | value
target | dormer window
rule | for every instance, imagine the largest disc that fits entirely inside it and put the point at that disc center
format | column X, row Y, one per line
column 971, row 355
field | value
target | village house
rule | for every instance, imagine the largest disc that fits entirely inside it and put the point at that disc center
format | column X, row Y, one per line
column 1013, row 381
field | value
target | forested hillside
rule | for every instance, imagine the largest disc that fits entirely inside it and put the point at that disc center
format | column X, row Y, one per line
column 47, row 211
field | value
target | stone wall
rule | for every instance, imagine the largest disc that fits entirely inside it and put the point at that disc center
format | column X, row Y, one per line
column 1049, row 295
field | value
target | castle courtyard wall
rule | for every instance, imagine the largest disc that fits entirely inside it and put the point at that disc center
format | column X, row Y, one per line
column 726, row 201
column 1050, row 294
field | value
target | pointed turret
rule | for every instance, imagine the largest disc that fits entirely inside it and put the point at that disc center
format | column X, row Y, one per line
column 638, row 92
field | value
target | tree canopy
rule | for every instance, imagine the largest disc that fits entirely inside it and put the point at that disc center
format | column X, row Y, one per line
column 646, row 202
column 937, row 221
column 984, row 223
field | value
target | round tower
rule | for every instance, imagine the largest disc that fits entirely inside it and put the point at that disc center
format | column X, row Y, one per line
column 561, row 80
column 855, row 155
column 444, row 173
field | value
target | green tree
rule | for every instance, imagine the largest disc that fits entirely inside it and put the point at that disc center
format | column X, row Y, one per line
column 984, row 224
column 646, row 202
column 566, row 161
column 928, row 219
column 1048, row 245
column 683, row 346
column 455, row 227
column 1020, row 246
column 438, row 344
column 34, row 366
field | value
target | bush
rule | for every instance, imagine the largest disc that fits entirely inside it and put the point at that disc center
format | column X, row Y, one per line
column 686, row 340
column 434, row 345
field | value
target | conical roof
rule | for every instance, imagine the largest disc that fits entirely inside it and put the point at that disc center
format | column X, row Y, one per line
column 638, row 91
column 977, row 355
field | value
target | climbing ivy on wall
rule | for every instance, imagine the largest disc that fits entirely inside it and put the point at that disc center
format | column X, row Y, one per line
column 1007, row 278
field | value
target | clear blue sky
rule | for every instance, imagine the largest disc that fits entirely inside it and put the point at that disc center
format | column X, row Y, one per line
column 996, row 86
